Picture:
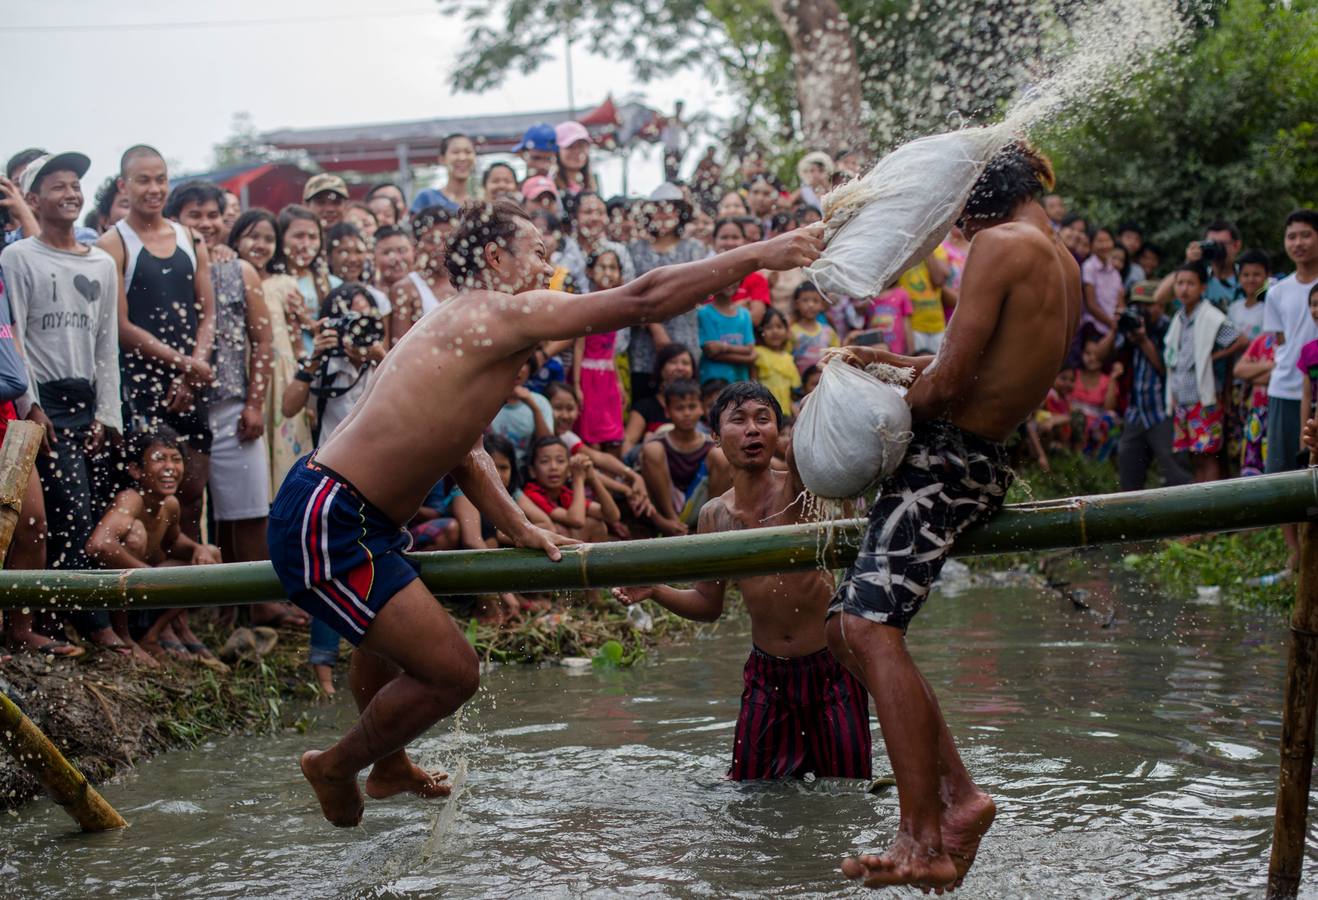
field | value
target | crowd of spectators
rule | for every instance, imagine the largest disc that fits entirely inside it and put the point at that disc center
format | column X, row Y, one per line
column 182, row 352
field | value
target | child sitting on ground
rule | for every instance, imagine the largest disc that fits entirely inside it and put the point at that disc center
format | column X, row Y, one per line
column 1199, row 336
column 571, row 509
column 1051, row 425
column 810, row 337
column 676, row 466
column 478, row 533
column 140, row 530
column 775, row 368
column 1094, row 396
column 616, row 477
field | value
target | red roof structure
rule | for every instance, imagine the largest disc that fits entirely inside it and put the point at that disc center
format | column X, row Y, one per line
column 398, row 146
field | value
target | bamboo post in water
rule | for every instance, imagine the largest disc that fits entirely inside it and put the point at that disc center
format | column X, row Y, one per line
column 1298, row 716
column 23, row 739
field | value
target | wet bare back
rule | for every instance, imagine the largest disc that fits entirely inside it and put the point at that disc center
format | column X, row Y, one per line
column 1019, row 307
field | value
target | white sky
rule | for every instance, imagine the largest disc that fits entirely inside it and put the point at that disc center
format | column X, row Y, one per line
column 80, row 78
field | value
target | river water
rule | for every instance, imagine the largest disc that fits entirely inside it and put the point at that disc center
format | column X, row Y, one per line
column 1130, row 755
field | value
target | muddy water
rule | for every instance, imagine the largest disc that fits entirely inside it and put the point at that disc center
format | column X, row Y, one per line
column 1128, row 760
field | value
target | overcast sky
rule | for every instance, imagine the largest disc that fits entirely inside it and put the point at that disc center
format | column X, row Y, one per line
column 90, row 75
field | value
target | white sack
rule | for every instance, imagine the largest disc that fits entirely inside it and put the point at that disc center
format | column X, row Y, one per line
column 882, row 224
column 852, row 431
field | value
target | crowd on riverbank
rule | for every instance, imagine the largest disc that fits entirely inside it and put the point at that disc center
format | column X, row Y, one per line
column 182, row 352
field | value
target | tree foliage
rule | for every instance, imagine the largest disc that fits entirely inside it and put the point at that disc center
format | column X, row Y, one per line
column 926, row 64
column 1228, row 130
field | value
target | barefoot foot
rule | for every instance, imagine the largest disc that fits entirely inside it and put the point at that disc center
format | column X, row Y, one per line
column 397, row 774
column 964, row 826
column 905, row 862
column 340, row 800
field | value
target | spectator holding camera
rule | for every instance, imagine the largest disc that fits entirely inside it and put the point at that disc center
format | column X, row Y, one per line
column 1217, row 252
column 349, row 342
column 1146, row 434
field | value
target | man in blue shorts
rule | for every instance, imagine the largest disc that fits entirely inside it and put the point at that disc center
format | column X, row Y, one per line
column 336, row 529
column 1019, row 305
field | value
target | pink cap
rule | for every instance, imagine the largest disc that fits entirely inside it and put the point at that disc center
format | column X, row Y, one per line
column 539, row 184
column 568, row 133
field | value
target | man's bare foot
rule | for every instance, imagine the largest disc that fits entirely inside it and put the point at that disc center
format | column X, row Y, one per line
column 106, row 639
column 905, row 862
column 141, row 657
column 397, row 774
column 340, row 799
column 963, row 826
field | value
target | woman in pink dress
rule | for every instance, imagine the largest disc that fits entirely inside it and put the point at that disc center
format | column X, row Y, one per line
column 594, row 367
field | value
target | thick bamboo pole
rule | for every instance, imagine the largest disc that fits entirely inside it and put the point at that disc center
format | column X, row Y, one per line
column 17, row 454
column 1299, row 711
column 24, row 740
column 65, row 784
column 1077, row 522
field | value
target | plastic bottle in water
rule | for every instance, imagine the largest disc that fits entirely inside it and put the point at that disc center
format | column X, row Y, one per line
column 640, row 619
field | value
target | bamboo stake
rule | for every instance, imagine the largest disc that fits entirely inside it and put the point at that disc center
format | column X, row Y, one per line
column 1299, row 712
column 17, row 454
column 1078, row 522
column 23, row 739
column 66, row 785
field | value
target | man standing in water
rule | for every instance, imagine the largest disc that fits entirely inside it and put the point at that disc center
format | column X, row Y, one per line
column 801, row 710
column 1019, row 306
column 336, row 530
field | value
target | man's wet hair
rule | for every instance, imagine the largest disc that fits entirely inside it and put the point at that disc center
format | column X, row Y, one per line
column 1195, row 268
column 159, row 435
column 737, row 395
column 479, row 225
column 1254, row 258
column 682, row 387
column 428, row 217
column 139, row 151
column 1018, row 172
column 199, row 192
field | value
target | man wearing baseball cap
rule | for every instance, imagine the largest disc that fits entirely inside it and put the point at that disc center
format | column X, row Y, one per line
column 1147, row 433
column 540, row 192
column 64, row 295
column 539, row 150
column 326, row 194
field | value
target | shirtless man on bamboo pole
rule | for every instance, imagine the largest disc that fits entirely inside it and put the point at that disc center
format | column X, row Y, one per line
column 337, row 539
column 1019, row 306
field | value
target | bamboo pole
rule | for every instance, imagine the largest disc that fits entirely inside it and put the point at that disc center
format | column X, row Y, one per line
column 1299, row 712
column 1077, row 522
column 66, row 785
column 23, row 739
column 17, row 455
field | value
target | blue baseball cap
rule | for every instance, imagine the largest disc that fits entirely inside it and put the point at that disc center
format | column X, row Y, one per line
column 539, row 137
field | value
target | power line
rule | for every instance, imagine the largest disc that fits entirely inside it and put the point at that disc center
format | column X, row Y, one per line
column 217, row 23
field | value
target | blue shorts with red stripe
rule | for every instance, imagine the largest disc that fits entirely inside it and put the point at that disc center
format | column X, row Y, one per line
column 801, row 714
column 337, row 555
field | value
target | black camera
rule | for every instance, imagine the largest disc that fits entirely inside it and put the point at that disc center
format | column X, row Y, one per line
column 1212, row 251
column 1130, row 321
column 357, row 329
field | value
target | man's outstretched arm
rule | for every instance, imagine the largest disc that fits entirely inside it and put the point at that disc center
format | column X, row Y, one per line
column 661, row 293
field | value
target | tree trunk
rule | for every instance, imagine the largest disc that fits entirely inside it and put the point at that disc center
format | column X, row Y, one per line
column 827, row 77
